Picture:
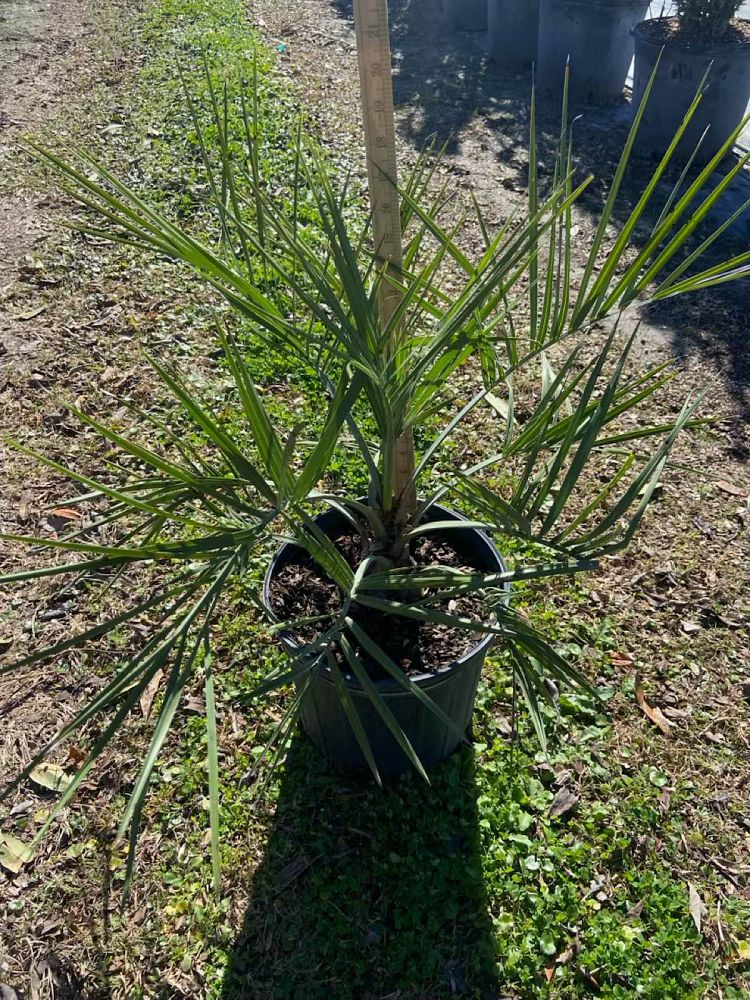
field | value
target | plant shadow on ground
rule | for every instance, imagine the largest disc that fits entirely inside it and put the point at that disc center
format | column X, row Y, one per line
column 444, row 81
column 364, row 892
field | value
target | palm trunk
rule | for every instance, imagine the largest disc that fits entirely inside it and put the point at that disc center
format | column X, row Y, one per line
column 374, row 51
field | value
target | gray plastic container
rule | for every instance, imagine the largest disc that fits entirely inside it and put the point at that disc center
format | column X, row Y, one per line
column 512, row 29
column 597, row 37
column 681, row 69
column 469, row 15
column 453, row 688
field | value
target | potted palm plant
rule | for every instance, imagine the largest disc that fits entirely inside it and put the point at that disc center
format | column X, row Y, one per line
column 702, row 54
column 595, row 38
column 386, row 603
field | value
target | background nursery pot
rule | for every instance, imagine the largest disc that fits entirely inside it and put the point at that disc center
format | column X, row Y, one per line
column 452, row 688
column 471, row 15
column 512, row 29
column 681, row 68
column 597, row 36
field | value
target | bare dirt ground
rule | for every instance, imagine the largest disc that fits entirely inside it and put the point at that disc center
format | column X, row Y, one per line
column 62, row 338
column 680, row 599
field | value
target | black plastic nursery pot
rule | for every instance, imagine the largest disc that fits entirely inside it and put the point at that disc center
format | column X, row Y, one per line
column 452, row 688
column 680, row 71
column 469, row 15
column 596, row 35
column 512, row 29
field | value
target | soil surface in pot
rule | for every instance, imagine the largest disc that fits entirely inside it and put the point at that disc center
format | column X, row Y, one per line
column 301, row 589
column 673, row 29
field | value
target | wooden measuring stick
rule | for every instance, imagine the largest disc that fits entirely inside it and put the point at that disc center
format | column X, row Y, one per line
column 376, row 83
column 374, row 52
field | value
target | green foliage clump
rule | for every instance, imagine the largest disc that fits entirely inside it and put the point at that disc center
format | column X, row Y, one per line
column 707, row 19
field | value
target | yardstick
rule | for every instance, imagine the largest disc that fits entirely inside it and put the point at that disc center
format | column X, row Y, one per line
column 374, row 52
column 376, row 83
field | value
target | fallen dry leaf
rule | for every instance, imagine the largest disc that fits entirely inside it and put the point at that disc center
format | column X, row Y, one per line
column 195, row 705
column 697, row 908
column 731, row 488
column 147, row 698
column 565, row 956
column 563, row 777
column 665, row 800
column 620, row 659
column 14, row 854
column 51, row 776
column 455, row 976
column 713, row 737
column 499, row 405
column 504, row 728
column 30, row 314
column 654, row 714
column 676, row 713
column 564, row 802
column 720, row 619
column 67, row 513
column 635, row 911
column 76, row 756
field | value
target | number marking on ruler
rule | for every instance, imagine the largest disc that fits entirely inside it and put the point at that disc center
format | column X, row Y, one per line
column 374, row 50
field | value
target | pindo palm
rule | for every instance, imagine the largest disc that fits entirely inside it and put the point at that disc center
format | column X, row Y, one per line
column 305, row 281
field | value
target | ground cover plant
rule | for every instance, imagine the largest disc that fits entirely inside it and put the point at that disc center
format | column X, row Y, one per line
column 706, row 19
column 526, row 947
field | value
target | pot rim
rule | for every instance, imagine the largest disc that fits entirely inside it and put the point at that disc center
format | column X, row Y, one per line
column 388, row 685
column 700, row 48
column 599, row 4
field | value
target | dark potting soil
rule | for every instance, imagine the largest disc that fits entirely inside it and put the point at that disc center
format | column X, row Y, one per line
column 301, row 589
column 673, row 29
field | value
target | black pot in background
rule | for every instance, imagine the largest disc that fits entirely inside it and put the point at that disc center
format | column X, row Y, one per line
column 453, row 688
column 597, row 36
column 512, row 29
column 469, row 15
column 681, row 69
